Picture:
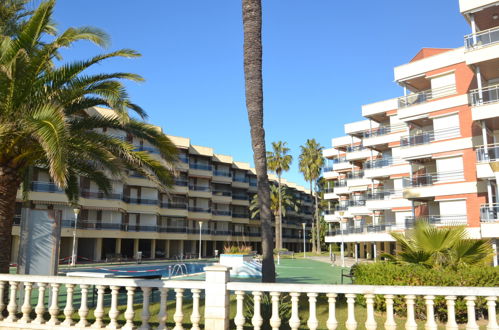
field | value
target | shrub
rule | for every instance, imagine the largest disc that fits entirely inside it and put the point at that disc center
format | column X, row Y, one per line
column 385, row 273
column 237, row 249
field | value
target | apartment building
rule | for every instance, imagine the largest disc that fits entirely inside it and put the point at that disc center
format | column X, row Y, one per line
column 431, row 153
column 209, row 201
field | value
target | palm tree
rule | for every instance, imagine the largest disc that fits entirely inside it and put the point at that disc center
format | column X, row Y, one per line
column 252, row 24
column 278, row 161
column 310, row 164
column 432, row 246
column 45, row 120
column 278, row 197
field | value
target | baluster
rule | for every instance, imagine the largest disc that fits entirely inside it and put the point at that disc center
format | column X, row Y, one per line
column 370, row 321
column 470, row 304
column 491, row 304
column 294, row 320
column 68, row 310
column 312, row 322
column 12, row 306
column 351, row 324
column 83, row 311
column 430, row 315
column 257, row 319
column 113, row 310
column 331, row 321
column 129, row 313
column 390, row 320
column 178, row 317
column 275, row 320
column 162, row 315
column 195, row 316
column 99, row 309
column 54, row 305
column 239, row 320
column 2, row 304
column 146, row 315
column 40, row 306
column 411, row 321
column 26, row 307
column 451, row 313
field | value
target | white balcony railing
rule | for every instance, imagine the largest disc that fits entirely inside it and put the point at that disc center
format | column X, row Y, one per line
column 425, row 96
column 489, row 213
column 429, row 179
column 488, row 153
column 486, row 95
column 481, row 39
column 218, row 291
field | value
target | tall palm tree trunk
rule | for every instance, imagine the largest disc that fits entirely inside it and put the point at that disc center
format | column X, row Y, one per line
column 252, row 23
column 9, row 184
column 278, row 225
column 317, row 226
column 314, row 249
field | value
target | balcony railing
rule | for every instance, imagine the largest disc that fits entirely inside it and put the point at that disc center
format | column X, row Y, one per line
column 143, row 201
column 382, row 130
column 327, row 169
column 489, row 153
column 489, row 213
column 222, row 193
column 204, row 167
column 241, row 197
column 486, row 95
column 96, row 225
column 199, row 188
column 357, row 202
column 425, row 96
column 433, row 178
column 100, row 195
column 253, row 184
column 340, row 183
column 184, row 159
column 355, row 175
column 384, row 194
column 429, row 136
column 152, row 150
column 240, row 215
column 222, row 173
column 378, row 163
column 41, row 186
column 240, row 179
column 355, row 148
column 173, row 205
column 221, row 212
column 199, row 209
column 442, row 220
column 481, row 39
column 181, row 183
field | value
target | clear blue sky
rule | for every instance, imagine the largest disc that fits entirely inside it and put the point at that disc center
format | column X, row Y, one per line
column 323, row 59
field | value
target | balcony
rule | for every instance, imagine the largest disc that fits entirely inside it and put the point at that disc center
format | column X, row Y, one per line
column 484, row 102
column 426, row 143
column 199, row 209
column 329, row 173
column 100, row 195
column 227, row 213
column 240, row 182
column 430, row 185
column 174, row 206
column 358, row 207
column 339, row 164
column 358, row 180
column 433, row 178
column 94, row 225
column 489, row 220
column 441, row 220
column 241, row 197
column 484, row 156
column 340, row 187
column 482, row 46
column 358, row 152
column 152, row 150
column 141, row 201
column 383, row 135
column 385, row 167
column 425, row 96
column 386, row 200
column 222, row 176
column 49, row 187
column 365, row 233
column 200, row 170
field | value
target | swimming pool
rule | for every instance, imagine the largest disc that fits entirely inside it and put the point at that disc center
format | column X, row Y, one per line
column 166, row 270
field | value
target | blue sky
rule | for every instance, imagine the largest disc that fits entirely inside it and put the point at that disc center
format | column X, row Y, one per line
column 323, row 59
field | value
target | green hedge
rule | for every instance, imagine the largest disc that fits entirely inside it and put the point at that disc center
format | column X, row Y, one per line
column 385, row 273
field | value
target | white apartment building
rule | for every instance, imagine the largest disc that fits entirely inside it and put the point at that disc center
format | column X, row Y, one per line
column 431, row 153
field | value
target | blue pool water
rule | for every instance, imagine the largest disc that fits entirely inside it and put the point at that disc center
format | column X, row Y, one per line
column 154, row 270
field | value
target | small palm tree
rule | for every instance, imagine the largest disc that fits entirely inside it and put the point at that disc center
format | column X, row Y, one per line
column 431, row 246
column 311, row 163
column 45, row 120
column 287, row 200
column 253, row 80
column 278, row 161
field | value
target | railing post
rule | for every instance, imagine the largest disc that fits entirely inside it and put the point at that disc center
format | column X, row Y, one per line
column 216, row 312
column 451, row 313
column 491, row 305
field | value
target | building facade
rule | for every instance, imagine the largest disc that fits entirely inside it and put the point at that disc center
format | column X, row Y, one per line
column 209, row 201
column 432, row 153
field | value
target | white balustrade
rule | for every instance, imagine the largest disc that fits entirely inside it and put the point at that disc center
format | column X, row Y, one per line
column 108, row 289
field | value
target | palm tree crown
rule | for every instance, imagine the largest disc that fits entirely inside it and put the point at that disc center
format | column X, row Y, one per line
column 432, row 246
column 278, row 159
column 55, row 117
column 287, row 199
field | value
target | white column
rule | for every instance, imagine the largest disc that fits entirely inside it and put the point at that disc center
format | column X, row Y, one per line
column 411, row 321
column 332, row 323
column 83, row 311
column 294, row 320
column 146, row 315
column 312, row 322
column 430, row 315
column 275, row 320
column 195, row 316
column 390, row 320
column 153, row 249
column 129, row 312
column 356, row 251
column 12, row 306
column 494, row 248
column 257, row 319
column 54, row 307
column 478, row 74
column 135, row 247
column 216, row 312
column 178, row 317
column 98, row 249
column 162, row 314
column 239, row 320
column 370, row 321
column 69, row 309
column 26, row 307
column 375, row 251
column 99, row 310
column 470, row 304
column 40, row 306
column 113, row 310
column 451, row 313
column 491, row 305
column 351, row 324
